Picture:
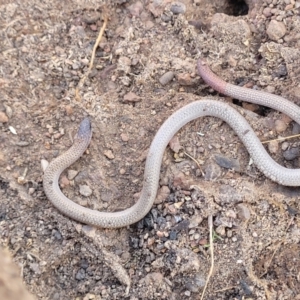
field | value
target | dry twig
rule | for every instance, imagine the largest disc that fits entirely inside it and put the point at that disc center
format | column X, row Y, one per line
column 211, row 246
column 82, row 80
column 282, row 138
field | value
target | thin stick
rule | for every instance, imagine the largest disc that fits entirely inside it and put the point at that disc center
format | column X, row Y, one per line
column 211, row 245
column 282, row 138
column 98, row 42
column 195, row 160
column 82, row 80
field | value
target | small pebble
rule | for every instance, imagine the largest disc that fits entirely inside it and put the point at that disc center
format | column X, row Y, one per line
column 187, row 293
column 131, row 97
column 3, row 117
column 195, row 221
column 136, row 8
column 273, row 146
column 80, row 274
column 85, row 190
column 296, row 128
column 228, row 163
column 280, row 126
column 166, row 78
column 162, row 194
column 69, row 110
column 12, row 130
column 243, row 212
column 8, row 110
column 44, row 164
column 276, row 30
column 285, row 146
column 109, row 154
column 72, row 174
column 291, row 153
column 175, row 144
column 185, row 79
column 178, row 8
column 31, row 191
column 267, row 12
column 124, row 137
column 22, row 144
column 64, row 181
column 212, row 171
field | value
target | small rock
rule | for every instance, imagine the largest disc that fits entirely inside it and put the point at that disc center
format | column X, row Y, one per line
column 124, row 137
column 89, row 297
column 81, row 177
column 124, row 64
column 136, row 8
column 64, row 181
column 289, row 7
column 162, row 194
column 35, row 268
column 22, row 144
column 280, row 71
column 166, row 78
column 44, row 163
column 69, row 110
column 31, row 191
column 8, row 110
column 109, row 154
column 178, row 8
column 91, row 17
column 80, row 274
column 212, row 171
column 267, row 12
column 276, row 30
column 243, row 212
column 3, row 117
column 75, row 65
column 285, row 146
column 175, row 144
column 57, row 235
column 3, row 159
column 221, row 230
column 131, row 97
column 273, row 146
column 173, row 235
column 291, row 153
column 155, row 278
column 231, row 214
column 12, row 130
column 185, row 79
column 85, row 190
column 149, row 24
column 195, row 221
column 227, row 195
column 180, row 180
column 195, row 283
column 228, row 163
column 72, row 174
column 296, row 128
column 160, row 234
column 171, row 209
column 84, row 264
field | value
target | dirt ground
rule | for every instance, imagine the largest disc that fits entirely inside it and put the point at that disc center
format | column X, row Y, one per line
column 144, row 70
